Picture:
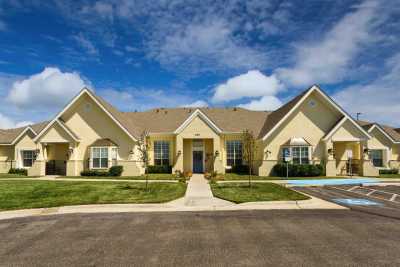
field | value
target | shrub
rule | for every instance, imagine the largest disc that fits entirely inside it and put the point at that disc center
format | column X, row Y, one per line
column 18, row 171
column 115, row 171
column 94, row 173
column 238, row 169
column 389, row 171
column 298, row 170
column 159, row 169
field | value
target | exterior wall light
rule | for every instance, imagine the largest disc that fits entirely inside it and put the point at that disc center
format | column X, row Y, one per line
column 367, row 151
column 331, row 151
column 216, row 153
column 179, row 152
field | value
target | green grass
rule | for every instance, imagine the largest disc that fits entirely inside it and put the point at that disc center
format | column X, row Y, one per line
column 152, row 176
column 240, row 192
column 13, row 175
column 235, row 177
column 18, row 194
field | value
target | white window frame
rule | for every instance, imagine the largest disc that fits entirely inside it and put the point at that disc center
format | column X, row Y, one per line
column 235, row 152
column 291, row 153
column 33, row 157
column 162, row 155
column 112, row 155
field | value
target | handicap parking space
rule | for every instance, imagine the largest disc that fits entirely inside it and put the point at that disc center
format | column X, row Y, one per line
column 364, row 199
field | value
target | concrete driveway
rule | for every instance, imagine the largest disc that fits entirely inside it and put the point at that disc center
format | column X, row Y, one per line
column 255, row 238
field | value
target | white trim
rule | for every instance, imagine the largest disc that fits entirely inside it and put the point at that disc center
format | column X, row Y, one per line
column 83, row 91
column 349, row 139
column 199, row 113
column 22, row 133
column 333, row 131
column 337, row 107
column 382, row 131
column 68, row 131
column 199, row 150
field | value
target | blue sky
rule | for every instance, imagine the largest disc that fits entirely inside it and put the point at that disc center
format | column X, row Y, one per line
column 144, row 54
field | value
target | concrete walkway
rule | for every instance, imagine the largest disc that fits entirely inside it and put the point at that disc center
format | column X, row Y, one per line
column 198, row 193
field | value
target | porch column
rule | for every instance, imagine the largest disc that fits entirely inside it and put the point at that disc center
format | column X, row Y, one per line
column 367, row 168
column 179, row 154
column 330, row 167
column 217, row 154
column 72, row 162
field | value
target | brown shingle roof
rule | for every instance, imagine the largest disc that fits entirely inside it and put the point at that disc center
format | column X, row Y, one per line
column 7, row 136
column 167, row 120
column 391, row 131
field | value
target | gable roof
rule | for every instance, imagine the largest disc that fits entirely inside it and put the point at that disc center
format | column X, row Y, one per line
column 391, row 133
column 112, row 112
column 285, row 111
column 10, row 136
column 224, row 120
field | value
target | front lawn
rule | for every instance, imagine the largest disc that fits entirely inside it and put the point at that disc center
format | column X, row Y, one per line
column 152, row 176
column 22, row 194
column 13, row 175
column 241, row 192
column 245, row 177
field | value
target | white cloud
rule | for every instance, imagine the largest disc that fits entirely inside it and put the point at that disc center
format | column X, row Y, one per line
column 251, row 84
column 8, row 123
column 49, row 89
column 264, row 103
column 379, row 100
column 196, row 104
column 206, row 45
column 86, row 44
column 327, row 60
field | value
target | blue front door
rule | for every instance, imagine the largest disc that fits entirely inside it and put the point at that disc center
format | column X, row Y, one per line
column 197, row 161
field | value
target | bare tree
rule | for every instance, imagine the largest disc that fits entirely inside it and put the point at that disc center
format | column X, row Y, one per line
column 144, row 156
column 249, row 150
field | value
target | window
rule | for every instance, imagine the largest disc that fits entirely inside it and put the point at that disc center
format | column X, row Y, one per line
column 161, row 153
column 28, row 157
column 377, row 157
column 300, row 154
column 234, row 153
column 99, row 157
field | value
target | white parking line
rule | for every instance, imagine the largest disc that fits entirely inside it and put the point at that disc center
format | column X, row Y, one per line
column 354, row 187
column 393, row 197
column 371, row 192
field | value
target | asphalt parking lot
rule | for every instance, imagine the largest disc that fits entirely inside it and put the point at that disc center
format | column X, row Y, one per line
column 378, row 200
column 251, row 238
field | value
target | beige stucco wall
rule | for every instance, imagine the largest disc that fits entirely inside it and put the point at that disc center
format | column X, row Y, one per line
column 198, row 129
column 90, row 123
column 6, row 156
column 311, row 123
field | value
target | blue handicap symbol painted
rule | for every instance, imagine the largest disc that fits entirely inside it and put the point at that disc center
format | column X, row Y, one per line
column 356, row 201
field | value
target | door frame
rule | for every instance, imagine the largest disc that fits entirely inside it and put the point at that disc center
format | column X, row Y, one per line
column 198, row 149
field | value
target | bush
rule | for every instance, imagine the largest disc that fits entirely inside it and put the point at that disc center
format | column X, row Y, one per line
column 389, row 171
column 159, row 169
column 18, row 171
column 115, row 171
column 298, row 170
column 239, row 169
column 94, row 173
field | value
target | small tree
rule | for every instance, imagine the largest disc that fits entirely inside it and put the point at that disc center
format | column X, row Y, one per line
column 144, row 157
column 249, row 150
